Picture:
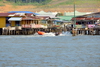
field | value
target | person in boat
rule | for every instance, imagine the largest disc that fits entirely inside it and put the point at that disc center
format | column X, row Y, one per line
column 58, row 33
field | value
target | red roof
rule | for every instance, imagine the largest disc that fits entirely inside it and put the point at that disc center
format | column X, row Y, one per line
column 43, row 17
column 78, row 19
column 5, row 14
column 10, row 15
column 92, row 18
column 96, row 18
column 27, row 16
column 85, row 18
column 89, row 18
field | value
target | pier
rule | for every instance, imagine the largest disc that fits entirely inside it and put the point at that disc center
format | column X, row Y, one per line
column 83, row 31
column 32, row 31
column 28, row 31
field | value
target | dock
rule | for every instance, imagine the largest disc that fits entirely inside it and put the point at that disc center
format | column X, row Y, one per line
column 89, row 31
column 28, row 31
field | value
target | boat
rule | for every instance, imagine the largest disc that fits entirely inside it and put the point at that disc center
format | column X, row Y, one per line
column 41, row 33
column 48, row 34
column 56, row 34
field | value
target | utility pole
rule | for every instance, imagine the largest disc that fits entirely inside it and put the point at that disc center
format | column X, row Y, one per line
column 74, row 16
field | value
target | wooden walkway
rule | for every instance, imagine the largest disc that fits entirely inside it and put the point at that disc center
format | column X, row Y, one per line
column 29, row 31
column 83, row 31
column 32, row 31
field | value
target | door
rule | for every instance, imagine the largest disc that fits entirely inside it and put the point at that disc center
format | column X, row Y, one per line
column 17, row 23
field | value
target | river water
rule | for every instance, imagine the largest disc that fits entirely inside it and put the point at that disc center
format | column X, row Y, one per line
column 50, row 51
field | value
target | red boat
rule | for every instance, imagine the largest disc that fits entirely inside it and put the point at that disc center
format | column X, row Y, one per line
column 41, row 33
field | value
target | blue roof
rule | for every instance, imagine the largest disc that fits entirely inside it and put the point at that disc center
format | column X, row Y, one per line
column 57, row 20
column 23, row 12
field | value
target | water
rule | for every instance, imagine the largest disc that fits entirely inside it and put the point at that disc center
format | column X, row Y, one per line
column 49, row 51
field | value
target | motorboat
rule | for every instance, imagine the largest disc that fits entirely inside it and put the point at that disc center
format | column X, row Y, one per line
column 41, row 32
column 56, row 34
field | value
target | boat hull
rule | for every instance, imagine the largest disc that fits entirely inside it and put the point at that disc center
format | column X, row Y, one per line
column 41, row 33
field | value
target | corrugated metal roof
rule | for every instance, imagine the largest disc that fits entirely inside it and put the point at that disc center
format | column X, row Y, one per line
column 5, row 14
column 68, row 18
column 16, row 14
column 92, row 18
column 96, row 18
column 11, row 14
column 89, row 18
column 57, row 20
column 43, row 17
column 51, row 16
column 23, row 12
column 85, row 18
column 78, row 19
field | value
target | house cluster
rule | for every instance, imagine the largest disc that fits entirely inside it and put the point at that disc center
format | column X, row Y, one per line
column 88, row 20
column 26, row 21
column 23, row 20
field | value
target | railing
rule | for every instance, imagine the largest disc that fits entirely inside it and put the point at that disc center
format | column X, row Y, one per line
column 33, row 26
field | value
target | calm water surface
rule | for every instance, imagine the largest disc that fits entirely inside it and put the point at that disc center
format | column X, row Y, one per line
column 49, row 51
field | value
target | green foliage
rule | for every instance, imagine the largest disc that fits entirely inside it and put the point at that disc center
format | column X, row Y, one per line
column 56, row 3
column 2, row 5
column 78, row 2
column 29, row 2
column 25, row 2
column 46, row 2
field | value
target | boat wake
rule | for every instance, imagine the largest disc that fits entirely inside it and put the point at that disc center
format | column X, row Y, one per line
column 35, row 35
column 52, row 34
column 46, row 34
column 66, row 34
column 49, row 34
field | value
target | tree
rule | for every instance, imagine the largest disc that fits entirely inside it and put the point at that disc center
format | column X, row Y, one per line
column 26, row 1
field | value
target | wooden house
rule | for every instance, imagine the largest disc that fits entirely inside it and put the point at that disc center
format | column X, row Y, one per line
column 19, row 19
column 87, row 20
